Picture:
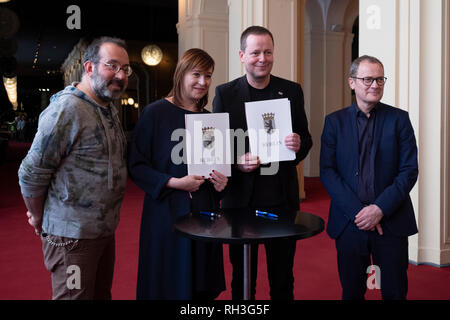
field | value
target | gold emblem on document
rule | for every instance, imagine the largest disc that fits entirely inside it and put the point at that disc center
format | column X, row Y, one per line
column 269, row 122
column 208, row 137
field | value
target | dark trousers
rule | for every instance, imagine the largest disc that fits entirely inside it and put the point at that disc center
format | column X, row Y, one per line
column 280, row 261
column 389, row 253
column 82, row 269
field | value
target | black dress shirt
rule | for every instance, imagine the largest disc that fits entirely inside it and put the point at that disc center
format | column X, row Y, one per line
column 366, row 128
column 267, row 189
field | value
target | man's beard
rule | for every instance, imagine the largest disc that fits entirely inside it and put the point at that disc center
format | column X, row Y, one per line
column 100, row 87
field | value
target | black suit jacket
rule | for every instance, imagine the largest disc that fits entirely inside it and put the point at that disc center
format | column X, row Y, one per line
column 231, row 97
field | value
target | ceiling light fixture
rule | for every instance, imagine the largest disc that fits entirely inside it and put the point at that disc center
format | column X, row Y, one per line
column 151, row 55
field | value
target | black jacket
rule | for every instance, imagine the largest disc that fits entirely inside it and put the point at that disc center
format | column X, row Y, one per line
column 231, row 97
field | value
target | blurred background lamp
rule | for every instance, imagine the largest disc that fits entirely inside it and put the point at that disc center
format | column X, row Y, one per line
column 151, row 55
column 11, row 89
column 130, row 101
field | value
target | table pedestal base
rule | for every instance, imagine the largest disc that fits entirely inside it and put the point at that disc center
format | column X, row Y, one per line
column 247, row 271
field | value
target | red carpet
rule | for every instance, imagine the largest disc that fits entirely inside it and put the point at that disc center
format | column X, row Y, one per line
column 23, row 276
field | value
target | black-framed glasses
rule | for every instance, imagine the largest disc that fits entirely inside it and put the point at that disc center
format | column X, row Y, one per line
column 368, row 81
column 115, row 67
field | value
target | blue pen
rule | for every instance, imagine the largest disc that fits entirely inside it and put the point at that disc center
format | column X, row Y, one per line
column 210, row 214
column 267, row 214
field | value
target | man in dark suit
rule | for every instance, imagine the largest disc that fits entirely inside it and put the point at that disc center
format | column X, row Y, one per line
column 250, row 185
column 368, row 164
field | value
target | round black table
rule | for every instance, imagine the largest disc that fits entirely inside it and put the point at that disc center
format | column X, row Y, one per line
column 243, row 226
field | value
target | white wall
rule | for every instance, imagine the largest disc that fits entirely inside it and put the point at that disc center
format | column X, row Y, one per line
column 409, row 38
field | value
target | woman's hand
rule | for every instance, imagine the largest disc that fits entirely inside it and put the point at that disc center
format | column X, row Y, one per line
column 218, row 180
column 189, row 183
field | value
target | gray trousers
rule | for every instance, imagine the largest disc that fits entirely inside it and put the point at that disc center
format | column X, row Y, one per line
column 81, row 269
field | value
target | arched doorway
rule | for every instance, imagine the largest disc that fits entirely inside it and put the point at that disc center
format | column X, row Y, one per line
column 330, row 39
column 355, row 43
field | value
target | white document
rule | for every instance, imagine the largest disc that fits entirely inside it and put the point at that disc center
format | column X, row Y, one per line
column 269, row 122
column 208, row 143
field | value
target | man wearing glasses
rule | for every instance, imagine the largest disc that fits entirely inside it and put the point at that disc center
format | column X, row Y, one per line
column 73, row 178
column 368, row 164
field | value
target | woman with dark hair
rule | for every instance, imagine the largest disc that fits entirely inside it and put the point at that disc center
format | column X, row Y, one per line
column 172, row 266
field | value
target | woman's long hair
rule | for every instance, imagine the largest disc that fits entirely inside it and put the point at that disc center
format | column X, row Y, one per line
column 191, row 59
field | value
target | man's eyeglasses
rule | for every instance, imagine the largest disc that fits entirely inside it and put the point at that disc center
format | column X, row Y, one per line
column 114, row 67
column 368, row 81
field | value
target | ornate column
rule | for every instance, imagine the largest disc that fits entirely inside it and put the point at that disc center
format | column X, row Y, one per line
column 269, row 14
column 204, row 24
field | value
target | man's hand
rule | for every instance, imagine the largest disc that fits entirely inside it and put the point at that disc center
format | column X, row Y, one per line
column 35, row 207
column 369, row 218
column 379, row 229
column 293, row 142
column 35, row 222
column 248, row 163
